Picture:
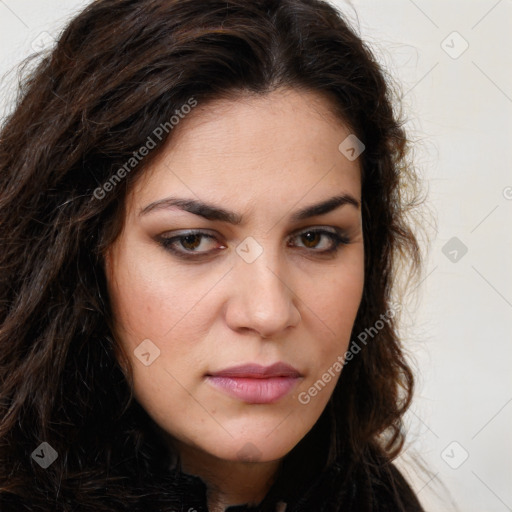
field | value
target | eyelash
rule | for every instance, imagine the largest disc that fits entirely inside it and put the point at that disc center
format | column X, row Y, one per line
column 338, row 238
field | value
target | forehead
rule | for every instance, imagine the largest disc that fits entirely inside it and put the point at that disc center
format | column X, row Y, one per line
column 282, row 145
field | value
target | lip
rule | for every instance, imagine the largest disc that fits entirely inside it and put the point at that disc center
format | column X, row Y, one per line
column 257, row 371
column 256, row 384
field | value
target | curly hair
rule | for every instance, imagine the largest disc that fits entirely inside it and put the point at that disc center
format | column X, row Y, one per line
column 120, row 69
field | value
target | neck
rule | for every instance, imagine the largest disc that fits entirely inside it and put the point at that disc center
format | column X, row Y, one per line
column 229, row 482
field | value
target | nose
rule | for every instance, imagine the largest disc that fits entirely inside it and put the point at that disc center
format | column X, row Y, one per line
column 263, row 299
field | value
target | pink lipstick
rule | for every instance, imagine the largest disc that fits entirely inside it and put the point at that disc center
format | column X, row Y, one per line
column 256, row 384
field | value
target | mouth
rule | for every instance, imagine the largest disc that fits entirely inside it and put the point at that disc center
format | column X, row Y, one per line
column 256, row 384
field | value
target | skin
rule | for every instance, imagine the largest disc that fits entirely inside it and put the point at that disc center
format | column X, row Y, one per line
column 264, row 157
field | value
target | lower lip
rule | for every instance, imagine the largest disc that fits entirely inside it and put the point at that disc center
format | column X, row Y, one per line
column 254, row 390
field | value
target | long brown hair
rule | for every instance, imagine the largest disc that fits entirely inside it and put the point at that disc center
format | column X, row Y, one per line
column 120, row 70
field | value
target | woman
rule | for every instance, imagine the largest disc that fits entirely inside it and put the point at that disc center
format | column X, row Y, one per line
column 202, row 214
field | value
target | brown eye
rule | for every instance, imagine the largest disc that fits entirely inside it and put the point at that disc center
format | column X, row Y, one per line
column 187, row 244
column 312, row 239
column 191, row 242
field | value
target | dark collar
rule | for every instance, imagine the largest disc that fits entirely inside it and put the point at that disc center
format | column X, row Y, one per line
column 194, row 493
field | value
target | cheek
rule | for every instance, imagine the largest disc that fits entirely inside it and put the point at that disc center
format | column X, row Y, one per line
column 139, row 305
column 337, row 308
column 334, row 305
column 148, row 297
column 152, row 301
column 336, row 299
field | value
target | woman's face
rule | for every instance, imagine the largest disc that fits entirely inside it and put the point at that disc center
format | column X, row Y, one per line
column 259, row 285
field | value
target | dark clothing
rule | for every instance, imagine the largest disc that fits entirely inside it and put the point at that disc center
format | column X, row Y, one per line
column 383, row 489
column 331, row 491
column 306, row 482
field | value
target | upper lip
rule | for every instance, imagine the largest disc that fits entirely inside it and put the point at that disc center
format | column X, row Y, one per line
column 257, row 371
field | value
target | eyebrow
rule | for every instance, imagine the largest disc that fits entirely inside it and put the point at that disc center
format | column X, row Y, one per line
column 212, row 212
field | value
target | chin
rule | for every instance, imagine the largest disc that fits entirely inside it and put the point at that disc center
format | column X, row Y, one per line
column 253, row 449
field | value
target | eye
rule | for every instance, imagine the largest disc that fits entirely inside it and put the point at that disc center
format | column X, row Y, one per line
column 189, row 243
column 312, row 238
column 194, row 244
